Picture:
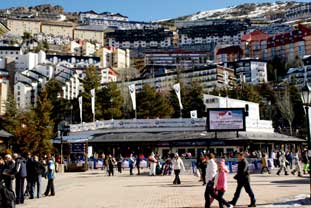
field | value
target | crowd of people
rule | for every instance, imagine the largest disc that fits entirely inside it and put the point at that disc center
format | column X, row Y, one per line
column 27, row 172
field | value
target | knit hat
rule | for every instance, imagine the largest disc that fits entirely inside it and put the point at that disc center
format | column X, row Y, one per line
column 221, row 163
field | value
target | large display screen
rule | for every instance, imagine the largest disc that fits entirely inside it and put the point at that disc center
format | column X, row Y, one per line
column 225, row 119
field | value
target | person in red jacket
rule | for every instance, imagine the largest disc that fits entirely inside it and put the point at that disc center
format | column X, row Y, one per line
column 221, row 183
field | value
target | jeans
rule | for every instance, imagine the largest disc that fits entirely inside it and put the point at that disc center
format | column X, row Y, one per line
column 50, row 188
column 221, row 200
column 19, row 189
column 204, row 174
column 248, row 189
column 110, row 170
column 209, row 192
column 177, row 178
column 131, row 169
column 35, row 182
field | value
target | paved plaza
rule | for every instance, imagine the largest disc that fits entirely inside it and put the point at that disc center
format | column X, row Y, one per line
column 94, row 189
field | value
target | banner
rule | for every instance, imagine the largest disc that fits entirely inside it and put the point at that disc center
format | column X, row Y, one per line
column 132, row 89
column 194, row 114
column 80, row 106
column 177, row 91
column 93, row 100
column 226, row 119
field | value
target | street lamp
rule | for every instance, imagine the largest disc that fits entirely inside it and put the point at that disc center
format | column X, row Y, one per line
column 306, row 100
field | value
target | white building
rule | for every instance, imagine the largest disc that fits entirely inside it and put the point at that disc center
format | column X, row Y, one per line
column 4, row 87
column 10, row 51
column 251, row 71
column 115, row 58
column 84, row 17
column 253, row 122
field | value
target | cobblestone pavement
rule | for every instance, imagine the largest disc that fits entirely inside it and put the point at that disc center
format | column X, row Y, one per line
column 94, row 189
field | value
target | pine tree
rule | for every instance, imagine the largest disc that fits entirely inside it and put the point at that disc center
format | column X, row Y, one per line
column 91, row 81
column 109, row 102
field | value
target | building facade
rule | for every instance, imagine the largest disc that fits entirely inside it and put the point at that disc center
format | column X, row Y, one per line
column 210, row 77
column 19, row 26
column 90, row 34
column 142, row 38
column 288, row 46
column 58, row 29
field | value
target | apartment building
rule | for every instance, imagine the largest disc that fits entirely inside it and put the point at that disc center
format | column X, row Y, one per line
column 76, row 61
column 90, row 33
column 115, row 58
column 250, row 71
column 174, row 59
column 210, row 77
column 86, row 17
column 228, row 54
column 19, row 26
column 287, row 45
column 61, row 29
column 141, row 38
column 299, row 12
column 217, row 33
column 10, row 51
column 298, row 75
column 4, row 88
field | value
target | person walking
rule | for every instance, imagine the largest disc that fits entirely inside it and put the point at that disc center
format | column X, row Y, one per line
column 178, row 164
column 264, row 164
column 273, row 156
column 296, row 163
column 110, row 163
column 305, row 161
column 243, row 180
column 152, row 162
column 203, row 165
column 131, row 163
column 50, row 176
column 211, row 172
column 139, row 157
column 221, row 184
column 289, row 158
column 20, row 175
column 282, row 161
column 119, row 164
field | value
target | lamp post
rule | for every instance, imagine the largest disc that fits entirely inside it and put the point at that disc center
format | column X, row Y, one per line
column 306, row 100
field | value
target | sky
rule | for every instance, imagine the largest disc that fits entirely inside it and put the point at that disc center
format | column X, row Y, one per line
column 137, row 10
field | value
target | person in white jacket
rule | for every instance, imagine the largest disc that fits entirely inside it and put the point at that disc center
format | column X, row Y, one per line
column 211, row 172
column 177, row 165
column 153, row 163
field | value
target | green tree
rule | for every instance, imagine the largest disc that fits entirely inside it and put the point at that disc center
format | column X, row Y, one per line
column 91, row 81
column 152, row 104
column 109, row 102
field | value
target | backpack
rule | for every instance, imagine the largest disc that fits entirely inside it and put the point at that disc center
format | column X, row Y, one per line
column 7, row 197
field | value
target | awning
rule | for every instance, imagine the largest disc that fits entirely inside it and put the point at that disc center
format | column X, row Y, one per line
column 74, row 138
column 4, row 134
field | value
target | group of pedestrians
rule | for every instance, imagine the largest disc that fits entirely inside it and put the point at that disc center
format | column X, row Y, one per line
column 216, row 179
column 27, row 172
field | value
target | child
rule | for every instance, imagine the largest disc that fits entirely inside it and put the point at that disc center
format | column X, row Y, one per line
column 221, row 183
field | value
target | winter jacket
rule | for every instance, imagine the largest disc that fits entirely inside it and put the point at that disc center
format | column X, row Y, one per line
column 51, row 170
column 221, row 180
column 178, row 164
column 211, row 170
column 242, row 174
column 264, row 162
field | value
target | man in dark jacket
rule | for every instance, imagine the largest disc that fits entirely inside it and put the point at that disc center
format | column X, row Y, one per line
column 29, row 168
column 20, row 175
column 243, row 180
column 38, row 170
column 9, row 171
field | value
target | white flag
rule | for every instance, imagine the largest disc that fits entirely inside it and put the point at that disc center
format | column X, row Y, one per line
column 132, row 89
column 93, row 100
column 194, row 114
column 80, row 106
column 177, row 91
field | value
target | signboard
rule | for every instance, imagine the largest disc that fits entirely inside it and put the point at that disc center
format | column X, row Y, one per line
column 194, row 114
column 225, row 119
column 77, row 148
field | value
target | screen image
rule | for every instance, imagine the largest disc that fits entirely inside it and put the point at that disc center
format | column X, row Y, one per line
column 226, row 119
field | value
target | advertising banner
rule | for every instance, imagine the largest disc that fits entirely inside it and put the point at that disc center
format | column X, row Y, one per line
column 226, row 119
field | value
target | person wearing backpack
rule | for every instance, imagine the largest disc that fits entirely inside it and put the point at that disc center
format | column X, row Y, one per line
column 50, row 176
column 20, row 176
column 9, row 171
